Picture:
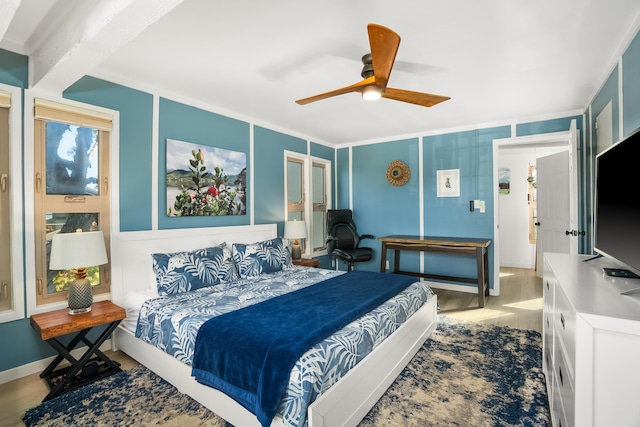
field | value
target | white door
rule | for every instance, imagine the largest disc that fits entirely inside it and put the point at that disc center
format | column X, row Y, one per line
column 557, row 195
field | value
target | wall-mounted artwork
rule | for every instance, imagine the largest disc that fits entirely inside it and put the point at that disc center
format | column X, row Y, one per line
column 205, row 181
column 504, row 180
column 448, row 183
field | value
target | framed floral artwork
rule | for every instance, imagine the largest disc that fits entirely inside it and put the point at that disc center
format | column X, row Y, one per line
column 205, row 181
column 448, row 183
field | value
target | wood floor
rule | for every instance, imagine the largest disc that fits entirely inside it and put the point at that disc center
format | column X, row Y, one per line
column 518, row 306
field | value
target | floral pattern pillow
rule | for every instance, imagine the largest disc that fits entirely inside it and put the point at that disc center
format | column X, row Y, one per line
column 263, row 257
column 187, row 271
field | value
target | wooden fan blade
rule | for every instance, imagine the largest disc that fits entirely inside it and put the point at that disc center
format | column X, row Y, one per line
column 384, row 46
column 418, row 98
column 357, row 87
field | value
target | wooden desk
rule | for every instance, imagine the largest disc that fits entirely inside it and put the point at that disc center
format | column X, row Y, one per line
column 93, row 364
column 306, row 262
column 451, row 245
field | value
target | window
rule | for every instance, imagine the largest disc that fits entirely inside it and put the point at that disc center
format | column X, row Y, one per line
column 71, row 189
column 6, row 291
column 308, row 194
column 11, row 250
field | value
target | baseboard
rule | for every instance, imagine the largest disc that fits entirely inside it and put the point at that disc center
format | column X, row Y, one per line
column 528, row 266
column 40, row 365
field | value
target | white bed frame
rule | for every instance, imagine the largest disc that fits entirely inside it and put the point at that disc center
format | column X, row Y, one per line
column 344, row 404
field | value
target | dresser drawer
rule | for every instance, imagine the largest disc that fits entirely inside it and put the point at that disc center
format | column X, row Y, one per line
column 564, row 319
column 547, row 341
column 564, row 384
column 558, row 418
column 547, row 366
column 549, row 284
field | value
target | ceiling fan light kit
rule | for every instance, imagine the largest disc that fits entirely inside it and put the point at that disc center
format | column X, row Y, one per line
column 384, row 45
column 371, row 93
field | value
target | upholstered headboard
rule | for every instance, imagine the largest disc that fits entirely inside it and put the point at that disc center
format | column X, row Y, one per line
column 131, row 262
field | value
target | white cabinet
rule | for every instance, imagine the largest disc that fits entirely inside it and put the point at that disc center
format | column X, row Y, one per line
column 591, row 343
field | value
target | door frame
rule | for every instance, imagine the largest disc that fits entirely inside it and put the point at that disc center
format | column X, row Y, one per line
column 552, row 139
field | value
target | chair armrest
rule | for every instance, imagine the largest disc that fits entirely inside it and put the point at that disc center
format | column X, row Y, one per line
column 367, row 236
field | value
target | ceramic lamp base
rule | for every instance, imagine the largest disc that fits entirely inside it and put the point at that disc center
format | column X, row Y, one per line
column 296, row 254
column 80, row 296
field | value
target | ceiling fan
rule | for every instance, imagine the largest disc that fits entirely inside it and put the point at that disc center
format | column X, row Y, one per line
column 377, row 68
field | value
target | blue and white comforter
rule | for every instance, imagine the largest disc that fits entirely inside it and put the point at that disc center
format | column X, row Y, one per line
column 171, row 323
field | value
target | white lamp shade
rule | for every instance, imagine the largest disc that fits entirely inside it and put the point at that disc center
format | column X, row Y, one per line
column 77, row 250
column 295, row 230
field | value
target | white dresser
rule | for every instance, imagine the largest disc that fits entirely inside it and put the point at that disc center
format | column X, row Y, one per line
column 591, row 344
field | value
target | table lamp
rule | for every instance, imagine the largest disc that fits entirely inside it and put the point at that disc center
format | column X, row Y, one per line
column 295, row 230
column 78, row 251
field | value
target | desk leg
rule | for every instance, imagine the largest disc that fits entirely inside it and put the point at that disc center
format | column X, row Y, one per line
column 383, row 258
column 396, row 260
column 482, row 263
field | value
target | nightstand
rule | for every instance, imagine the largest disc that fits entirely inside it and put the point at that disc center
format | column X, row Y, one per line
column 93, row 364
column 306, row 262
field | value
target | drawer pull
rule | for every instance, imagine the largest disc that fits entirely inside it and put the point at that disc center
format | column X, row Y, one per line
column 547, row 285
column 562, row 320
column 560, row 375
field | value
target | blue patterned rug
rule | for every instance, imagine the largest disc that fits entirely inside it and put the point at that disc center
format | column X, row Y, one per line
column 464, row 375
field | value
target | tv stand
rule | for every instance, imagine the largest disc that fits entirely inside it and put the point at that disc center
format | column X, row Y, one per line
column 631, row 292
column 596, row 256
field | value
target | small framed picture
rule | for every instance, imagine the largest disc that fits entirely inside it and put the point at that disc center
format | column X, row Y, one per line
column 448, row 183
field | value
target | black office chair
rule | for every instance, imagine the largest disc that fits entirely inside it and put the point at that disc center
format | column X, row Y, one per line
column 343, row 238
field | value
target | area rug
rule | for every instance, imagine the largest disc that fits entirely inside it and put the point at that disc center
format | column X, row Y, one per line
column 464, row 375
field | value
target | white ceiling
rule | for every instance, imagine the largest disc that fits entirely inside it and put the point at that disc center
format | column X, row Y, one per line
column 498, row 60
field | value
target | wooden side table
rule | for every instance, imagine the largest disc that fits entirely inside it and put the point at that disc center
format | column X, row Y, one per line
column 93, row 364
column 306, row 262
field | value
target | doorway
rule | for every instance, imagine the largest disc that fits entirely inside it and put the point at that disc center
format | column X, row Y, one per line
column 526, row 150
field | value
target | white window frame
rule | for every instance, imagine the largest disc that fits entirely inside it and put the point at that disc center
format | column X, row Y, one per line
column 15, row 210
column 307, row 162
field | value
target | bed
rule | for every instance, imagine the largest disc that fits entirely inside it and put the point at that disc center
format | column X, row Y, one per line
column 344, row 403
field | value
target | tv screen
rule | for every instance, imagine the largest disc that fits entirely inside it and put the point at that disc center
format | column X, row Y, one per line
column 617, row 209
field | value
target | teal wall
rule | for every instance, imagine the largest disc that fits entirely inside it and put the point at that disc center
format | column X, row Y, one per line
column 14, row 69
column 189, row 124
column 631, row 87
column 379, row 208
column 136, row 109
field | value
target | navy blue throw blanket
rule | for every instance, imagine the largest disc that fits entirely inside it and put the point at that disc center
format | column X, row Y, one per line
column 249, row 353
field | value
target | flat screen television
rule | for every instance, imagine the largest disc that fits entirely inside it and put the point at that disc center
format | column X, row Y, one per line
column 617, row 205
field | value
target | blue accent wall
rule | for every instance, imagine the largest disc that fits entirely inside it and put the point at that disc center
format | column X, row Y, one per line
column 631, row 87
column 472, row 153
column 136, row 116
column 342, row 182
column 14, row 69
column 380, row 208
column 269, row 197
column 190, row 124
column 608, row 93
column 547, row 126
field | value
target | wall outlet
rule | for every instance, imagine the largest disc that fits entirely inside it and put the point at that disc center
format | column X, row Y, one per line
column 387, row 266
